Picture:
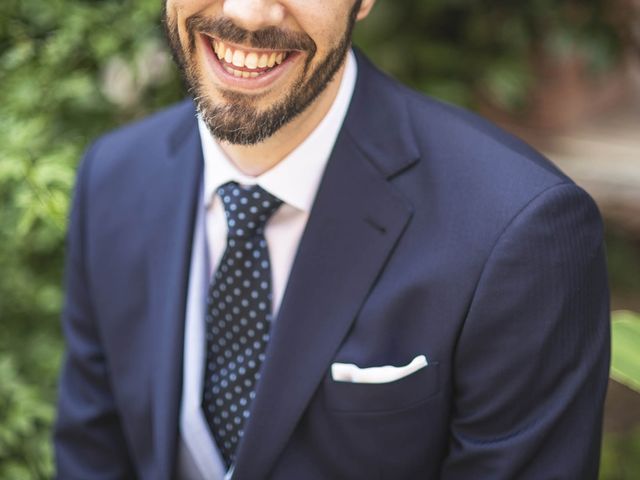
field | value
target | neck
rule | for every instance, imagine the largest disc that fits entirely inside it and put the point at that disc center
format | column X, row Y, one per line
column 254, row 160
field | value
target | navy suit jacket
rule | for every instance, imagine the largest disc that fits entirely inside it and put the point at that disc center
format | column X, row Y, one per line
column 433, row 233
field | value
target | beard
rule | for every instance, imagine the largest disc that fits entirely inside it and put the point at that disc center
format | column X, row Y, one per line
column 237, row 120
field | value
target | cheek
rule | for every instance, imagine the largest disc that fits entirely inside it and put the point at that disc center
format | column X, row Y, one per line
column 178, row 11
column 326, row 28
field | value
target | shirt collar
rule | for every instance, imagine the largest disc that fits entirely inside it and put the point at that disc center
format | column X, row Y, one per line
column 296, row 178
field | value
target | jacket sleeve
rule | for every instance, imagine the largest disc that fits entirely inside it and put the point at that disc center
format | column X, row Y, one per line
column 88, row 438
column 532, row 360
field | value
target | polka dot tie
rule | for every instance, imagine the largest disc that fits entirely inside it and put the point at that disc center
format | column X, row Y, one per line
column 238, row 315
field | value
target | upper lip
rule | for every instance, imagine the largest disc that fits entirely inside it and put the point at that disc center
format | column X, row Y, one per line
column 248, row 48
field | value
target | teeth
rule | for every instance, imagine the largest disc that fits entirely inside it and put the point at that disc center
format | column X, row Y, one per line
column 238, row 58
column 250, row 60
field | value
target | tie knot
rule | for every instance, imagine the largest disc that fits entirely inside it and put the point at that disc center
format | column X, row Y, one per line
column 248, row 208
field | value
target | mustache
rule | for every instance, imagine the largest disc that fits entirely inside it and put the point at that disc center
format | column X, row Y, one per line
column 270, row 38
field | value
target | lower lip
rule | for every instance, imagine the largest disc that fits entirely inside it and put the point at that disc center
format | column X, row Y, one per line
column 263, row 81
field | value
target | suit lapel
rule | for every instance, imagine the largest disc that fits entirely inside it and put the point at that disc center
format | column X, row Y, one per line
column 356, row 221
column 173, row 193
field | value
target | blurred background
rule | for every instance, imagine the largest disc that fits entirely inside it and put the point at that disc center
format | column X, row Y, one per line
column 563, row 75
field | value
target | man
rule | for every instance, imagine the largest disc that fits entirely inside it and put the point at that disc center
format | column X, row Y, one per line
column 324, row 275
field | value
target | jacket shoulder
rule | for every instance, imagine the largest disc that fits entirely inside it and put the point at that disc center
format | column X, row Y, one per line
column 475, row 144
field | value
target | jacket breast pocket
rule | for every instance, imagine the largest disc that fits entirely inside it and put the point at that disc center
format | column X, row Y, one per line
column 409, row 391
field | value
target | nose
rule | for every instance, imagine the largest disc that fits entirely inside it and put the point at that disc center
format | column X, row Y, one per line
column 254, row 15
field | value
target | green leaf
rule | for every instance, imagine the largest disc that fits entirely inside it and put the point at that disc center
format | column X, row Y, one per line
column 625, row 359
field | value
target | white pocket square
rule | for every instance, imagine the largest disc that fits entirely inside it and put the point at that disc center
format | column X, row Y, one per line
column 349, row 372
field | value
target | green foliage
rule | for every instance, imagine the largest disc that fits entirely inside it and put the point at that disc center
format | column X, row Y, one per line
column 625, row 357
column 456, row 49
column 70, row 70
column 620, row 459
column 623, row 258
column 25, row 449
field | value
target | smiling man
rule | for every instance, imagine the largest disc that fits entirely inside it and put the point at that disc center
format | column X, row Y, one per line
column 307, row 271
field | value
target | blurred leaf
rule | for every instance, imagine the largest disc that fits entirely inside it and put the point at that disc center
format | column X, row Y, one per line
column 625, row 357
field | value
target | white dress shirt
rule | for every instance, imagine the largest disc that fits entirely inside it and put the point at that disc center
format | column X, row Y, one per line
column 295, row 181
